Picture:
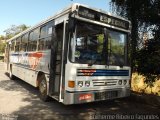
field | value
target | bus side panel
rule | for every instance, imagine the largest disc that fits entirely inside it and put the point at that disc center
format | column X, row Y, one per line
column 27, row 65
column 39, row 61
column 25, row 74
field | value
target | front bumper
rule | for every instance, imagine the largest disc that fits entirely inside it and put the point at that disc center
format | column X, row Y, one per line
column 98, row 95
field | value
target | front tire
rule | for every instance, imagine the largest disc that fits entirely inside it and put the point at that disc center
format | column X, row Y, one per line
column 43, row 89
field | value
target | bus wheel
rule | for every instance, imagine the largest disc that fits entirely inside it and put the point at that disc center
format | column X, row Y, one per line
column 43, row 89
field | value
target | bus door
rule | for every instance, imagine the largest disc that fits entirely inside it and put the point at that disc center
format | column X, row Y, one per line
column 56, row 61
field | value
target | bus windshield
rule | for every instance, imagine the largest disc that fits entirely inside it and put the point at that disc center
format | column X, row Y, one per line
column 88, row 42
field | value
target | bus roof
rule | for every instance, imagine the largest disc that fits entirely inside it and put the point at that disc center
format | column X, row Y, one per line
column 64, row 11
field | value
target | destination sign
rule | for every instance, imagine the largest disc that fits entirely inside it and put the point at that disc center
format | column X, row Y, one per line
column 101, row 17
column 86, row 13
column 114, row 21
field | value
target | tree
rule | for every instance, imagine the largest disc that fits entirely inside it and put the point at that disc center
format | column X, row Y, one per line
column 2, row 47
column 2, row 37
column 10, row 32
column 145, row 18
column 14, row 30
column 2, row 44
column 144, row 14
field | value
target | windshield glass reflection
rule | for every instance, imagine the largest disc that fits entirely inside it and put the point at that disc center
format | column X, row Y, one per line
column 87, row 45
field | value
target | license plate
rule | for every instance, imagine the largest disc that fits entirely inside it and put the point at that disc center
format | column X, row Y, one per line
column 85, row 97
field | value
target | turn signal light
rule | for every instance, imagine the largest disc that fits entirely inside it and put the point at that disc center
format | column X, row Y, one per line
column 71, row 84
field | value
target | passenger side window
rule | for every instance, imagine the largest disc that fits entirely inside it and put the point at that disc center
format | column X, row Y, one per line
column 33, row 38
column 12, row 45
column 24, row 42
column 18, row 44
column 43, row 34
column 46, row 36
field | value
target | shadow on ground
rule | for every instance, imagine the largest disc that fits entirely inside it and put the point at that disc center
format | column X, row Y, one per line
column 144, row 98
column 38, row 110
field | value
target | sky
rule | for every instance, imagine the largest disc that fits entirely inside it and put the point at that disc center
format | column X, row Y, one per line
column 31, row 12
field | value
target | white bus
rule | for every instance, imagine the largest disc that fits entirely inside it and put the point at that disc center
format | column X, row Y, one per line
column 78, row 55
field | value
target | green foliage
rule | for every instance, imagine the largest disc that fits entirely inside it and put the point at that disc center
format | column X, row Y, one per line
column 116, row 47
column 129, row 9
column 143, row 10
column 14, row 30
column 2, row 47
column 2, row 37
column 148, row 60
column 10, row 32
column 100, row 39
column 145, row 17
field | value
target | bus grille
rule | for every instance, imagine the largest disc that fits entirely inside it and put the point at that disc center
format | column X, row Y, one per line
column 106, row 95
column 104, row 82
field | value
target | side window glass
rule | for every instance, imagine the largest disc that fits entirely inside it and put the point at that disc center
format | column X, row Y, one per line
column 49, row 34
column 46, row 36
column 18, row 44
column 43, row 34
column 50, row 28
column 24, row 42
column 12, row 45
column 33, row 38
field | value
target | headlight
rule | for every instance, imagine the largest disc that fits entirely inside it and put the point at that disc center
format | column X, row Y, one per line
column 120, row 82
column 80, row 83
column 87, row 83
column 125, row 82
